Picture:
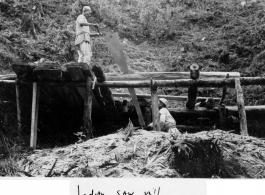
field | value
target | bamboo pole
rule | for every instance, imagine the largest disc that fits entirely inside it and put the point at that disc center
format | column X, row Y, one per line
column 165, row 75
column 18, row 109
column 87, row 126
column 241, row 108
column 168, row 97
column 155, row 108
column 34, row 116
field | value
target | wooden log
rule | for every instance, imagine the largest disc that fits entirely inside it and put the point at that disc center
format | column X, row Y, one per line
column 146, row 75
column 231, row 110
column 99, row 73
column 165, row 83
column 18, row 110
column 87, row 126
column 191, row 129
column 196, row 112
column 24, row 71
column 107, row 99
column 224, row 92
column 34, row 116
column 166, row 75
column 7, row 81
column 155, row 106
column 192, row 90
column 168, row 97
column 185, row 83
column 8, row 77
column 241, row 108
column 222, row 117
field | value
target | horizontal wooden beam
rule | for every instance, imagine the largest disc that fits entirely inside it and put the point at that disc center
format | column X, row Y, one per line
column 7, row 81
column 168, row 97
column 185, row 83
column 8, row 76
column 165, row 83
column 166, row 76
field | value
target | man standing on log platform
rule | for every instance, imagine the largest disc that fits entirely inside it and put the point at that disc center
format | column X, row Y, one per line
column 82, row 40
column 167, row 122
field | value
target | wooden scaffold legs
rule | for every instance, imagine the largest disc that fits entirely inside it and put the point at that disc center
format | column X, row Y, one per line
column 155, row 108
column 241, row 108
column 34, row 115
column 87, row 126
column 18, row 110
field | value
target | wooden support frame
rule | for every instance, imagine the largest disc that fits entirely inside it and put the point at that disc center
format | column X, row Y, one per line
column 241, row 108
column 34, row 115
column 18, row 109
column 155, row 106
column 87, row 126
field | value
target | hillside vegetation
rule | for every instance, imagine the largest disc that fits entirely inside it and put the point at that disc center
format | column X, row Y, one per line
column 156, row 35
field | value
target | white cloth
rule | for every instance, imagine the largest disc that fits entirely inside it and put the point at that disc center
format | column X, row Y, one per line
column 166, row 117
column 84, row 52
column 82, row 32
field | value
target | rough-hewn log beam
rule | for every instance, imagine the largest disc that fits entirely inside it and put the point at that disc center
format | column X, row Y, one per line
column 241, row 108
column 166, row 75
column 167, row 83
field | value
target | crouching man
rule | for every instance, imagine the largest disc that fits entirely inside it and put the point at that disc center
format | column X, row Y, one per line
column 167, row 122
column 82, row 40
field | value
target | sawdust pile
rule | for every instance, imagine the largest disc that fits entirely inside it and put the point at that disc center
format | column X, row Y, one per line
column 211, row 154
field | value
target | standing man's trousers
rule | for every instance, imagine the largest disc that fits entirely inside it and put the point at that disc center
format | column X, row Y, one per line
column 84, row 52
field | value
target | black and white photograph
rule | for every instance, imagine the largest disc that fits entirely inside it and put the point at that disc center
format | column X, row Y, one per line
column 138, row 89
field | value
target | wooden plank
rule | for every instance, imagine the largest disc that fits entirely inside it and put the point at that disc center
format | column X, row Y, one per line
column 116, row 51
column 34, row 116
column 166, row 76
column 241, row 108
column 155, row 107
column 168, row 97
column 18, row 109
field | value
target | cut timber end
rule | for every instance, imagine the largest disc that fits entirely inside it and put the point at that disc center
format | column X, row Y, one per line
column 241, row 108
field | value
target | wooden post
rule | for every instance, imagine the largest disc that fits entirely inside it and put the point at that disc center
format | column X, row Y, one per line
column 241, row 108
column 192, row 90
column 18, row 109
column 87, row 126
column 34, row 115
column 155, row 108
column 224, row 92
column 222, row 117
